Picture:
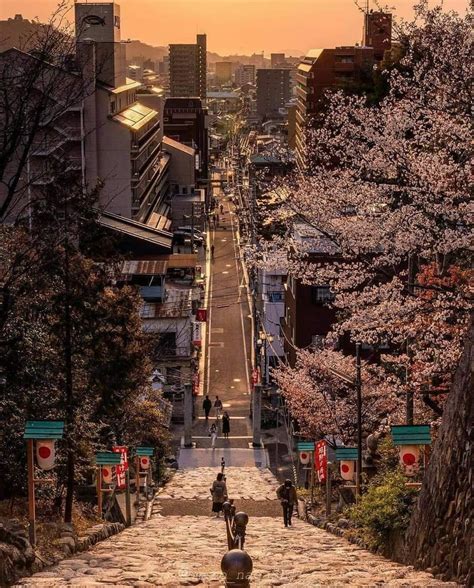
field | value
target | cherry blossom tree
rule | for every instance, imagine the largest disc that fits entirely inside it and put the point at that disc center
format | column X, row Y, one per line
column 388, row 194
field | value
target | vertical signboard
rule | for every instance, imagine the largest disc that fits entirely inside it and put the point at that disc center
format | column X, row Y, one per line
column 321, row 460
column 121, row 468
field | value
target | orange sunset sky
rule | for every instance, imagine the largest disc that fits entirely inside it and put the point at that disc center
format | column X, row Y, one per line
column 236, row 26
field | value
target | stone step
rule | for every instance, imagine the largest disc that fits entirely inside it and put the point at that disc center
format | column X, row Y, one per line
column 179, row 507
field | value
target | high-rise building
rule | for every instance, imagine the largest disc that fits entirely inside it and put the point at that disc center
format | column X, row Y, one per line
column 273, row 91
column 188, row 69
column 277, row 59
column 320, row 70
column 378, row 32
column 223, row 71
column 245, row 74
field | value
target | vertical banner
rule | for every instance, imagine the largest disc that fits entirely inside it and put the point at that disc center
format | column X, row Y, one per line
column 122, row 467
column 196, row 334
column 321, row 460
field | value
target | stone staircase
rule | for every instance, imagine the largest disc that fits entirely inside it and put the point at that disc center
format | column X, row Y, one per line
column 182, row 545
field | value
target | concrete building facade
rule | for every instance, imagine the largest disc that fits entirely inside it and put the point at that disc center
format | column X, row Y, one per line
column 188, row 69
column 273, row 91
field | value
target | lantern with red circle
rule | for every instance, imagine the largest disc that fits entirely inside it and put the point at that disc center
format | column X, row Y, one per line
column 408, row 439
column 45, row 454
column 410, row 459
column 144, row 462
column 144, row 455
column 347, row 458
column 347, row 469
column 305, row 457
column 107, row 474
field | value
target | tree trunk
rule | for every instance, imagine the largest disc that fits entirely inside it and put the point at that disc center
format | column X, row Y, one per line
column 440, row 532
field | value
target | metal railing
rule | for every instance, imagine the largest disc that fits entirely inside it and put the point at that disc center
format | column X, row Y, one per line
column 236, row 564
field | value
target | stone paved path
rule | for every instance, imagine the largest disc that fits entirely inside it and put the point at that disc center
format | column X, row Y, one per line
column 184, row 550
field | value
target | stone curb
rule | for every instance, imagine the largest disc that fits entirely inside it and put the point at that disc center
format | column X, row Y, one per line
column 325, row 525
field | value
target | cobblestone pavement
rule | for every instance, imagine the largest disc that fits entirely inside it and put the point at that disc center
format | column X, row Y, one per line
column 183, row 550
column 186, row 551
column 244, row 483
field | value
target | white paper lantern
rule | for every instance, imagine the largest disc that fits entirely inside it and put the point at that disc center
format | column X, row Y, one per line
column 305, row 457
column 410, row 459
column 144, row 462
column 107, row 474
column 347, row 469
column 45, row 454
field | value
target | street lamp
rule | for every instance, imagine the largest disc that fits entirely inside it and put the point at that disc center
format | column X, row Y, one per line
column 357, row 384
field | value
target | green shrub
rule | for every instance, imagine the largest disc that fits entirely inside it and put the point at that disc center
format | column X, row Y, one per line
column 385, row 507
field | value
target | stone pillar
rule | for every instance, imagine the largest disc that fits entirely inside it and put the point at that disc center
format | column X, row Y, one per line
column 188, row 415
column 257, row 415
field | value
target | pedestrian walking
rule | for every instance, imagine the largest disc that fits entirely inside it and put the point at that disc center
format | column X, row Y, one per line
column 206, row 406
column 213, row 432
column 287, row 495
column 212, row 252
column 226, row 425
column 219, row 494
column 221, row 208
column 218, row 407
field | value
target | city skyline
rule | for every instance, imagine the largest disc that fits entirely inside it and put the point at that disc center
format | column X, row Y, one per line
column 244, row 27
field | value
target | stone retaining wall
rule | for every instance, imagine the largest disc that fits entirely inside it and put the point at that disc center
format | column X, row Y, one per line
column 18, row 558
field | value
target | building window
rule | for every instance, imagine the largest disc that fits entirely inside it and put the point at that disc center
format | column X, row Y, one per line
column 276, row 297
column 112, row 106
column 321, row 294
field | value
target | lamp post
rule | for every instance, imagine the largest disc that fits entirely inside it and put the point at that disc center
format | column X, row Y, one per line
column 357, row 385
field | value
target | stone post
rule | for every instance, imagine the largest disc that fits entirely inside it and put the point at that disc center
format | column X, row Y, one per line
column 188, row 415
column 257, row 415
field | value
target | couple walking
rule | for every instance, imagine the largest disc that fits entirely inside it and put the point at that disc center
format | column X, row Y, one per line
column 207, row 405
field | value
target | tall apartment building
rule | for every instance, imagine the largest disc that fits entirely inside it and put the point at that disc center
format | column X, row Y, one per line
column 188, row 69
column 320, row 70
column 245, row 74
column 273, row 91
column 339, row 68
column 223, row 71
column 378, row 32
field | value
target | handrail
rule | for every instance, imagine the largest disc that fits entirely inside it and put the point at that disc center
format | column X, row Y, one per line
column 236, row 564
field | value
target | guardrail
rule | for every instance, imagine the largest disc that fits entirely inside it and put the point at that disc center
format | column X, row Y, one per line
column 236, row 564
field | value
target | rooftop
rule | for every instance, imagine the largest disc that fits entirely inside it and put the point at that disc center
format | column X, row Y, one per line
column 135, row 116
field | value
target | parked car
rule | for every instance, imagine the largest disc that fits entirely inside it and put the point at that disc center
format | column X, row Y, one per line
column 190, row 230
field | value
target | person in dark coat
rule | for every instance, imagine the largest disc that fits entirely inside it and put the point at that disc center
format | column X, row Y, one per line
column 287, row 495
column 219, row 494
column 226, row 425
column 206, row 406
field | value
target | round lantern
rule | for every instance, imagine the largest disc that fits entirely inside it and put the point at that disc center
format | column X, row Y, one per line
column 304, row 457
column 107, row 474
column 45, row 454
column 347, row 469
column 410, row 459
column 144, row 462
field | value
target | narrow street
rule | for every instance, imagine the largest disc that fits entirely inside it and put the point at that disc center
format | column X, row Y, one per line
column 182, row 544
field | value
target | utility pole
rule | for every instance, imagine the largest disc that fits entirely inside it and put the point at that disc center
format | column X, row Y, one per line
column 411, row 290
column 192, row 227
column 358, row 385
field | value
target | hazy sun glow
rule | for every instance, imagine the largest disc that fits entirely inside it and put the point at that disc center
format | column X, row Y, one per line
column 236, row 26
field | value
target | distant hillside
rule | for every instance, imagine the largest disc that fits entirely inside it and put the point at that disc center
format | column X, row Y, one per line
column 16, row 32
column 136, row 50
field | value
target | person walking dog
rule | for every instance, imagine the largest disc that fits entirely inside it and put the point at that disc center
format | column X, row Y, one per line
column 287, row 495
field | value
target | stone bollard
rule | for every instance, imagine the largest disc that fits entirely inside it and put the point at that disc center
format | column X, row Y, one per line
column 237, row 566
